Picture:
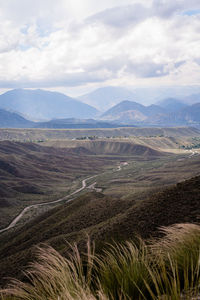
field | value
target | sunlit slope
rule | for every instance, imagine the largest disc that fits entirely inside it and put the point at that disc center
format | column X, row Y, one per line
column 159, row 143
column 107, row 147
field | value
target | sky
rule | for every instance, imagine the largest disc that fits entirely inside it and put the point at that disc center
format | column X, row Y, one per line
column 75, row 46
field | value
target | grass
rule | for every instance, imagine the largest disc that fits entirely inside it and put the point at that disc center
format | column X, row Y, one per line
column 105, row 219
column 141, row 176
column 168, row 268
column 178, row 254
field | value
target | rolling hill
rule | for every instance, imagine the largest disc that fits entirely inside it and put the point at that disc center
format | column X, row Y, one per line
column 33, row 173
column 104, row 219
column 45, row 105
column 13, row 120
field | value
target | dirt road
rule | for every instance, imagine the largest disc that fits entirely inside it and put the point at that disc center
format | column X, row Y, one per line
column 16, row 220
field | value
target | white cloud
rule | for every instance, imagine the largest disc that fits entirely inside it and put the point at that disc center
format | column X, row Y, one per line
column 58, row 43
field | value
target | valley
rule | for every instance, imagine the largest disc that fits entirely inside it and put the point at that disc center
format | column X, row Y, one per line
column 32, row 174
column 99, row 150
column 58, row 186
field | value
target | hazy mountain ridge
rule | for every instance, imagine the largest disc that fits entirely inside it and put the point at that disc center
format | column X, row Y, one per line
column 192, row 99
column 133, row 107
column 171, row 112
column 40, row 104
column 104, row 98
column 172, row 104
column 66, row 112
column 10, row 119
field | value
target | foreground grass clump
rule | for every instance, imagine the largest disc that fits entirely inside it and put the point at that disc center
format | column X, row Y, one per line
column 168, row 268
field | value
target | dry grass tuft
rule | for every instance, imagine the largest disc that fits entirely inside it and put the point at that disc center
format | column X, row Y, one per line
column 165, row 269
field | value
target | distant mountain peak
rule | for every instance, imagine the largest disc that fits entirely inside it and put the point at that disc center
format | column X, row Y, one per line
column 106, row 97
column 41, row 104
column 172, row 104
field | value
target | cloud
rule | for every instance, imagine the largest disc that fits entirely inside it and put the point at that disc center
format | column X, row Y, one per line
column 46, row 44
column 22, row 12
column 9, row 37
column 148, row 69
column 121, row 16
column 124, row 16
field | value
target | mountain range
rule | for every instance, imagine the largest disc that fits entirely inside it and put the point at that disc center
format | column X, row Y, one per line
column 106, row 97
column 25, row 108
column 45, row 105
column 170, row 112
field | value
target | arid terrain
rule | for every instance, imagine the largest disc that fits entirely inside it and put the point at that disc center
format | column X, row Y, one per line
column 108, row 188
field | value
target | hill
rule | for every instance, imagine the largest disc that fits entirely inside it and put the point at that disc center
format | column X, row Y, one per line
column 40, row 104
column 106, row 97
column 115, row 111
column 129, row 111
column 106, row 147
column 31, row 173
column 104, row 218
column 76, row 124
column 13, row 120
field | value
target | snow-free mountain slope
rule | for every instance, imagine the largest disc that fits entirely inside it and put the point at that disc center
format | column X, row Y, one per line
column 13, row 120
column 172, row 104
column 40, row 104
column 106, row 97
column 127, row 111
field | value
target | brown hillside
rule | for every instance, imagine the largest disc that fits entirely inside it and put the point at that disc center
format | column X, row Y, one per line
column 30, row 172
column 104, row 219
column 107, row 147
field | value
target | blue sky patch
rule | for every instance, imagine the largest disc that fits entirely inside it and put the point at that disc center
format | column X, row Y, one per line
column 191, row 12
